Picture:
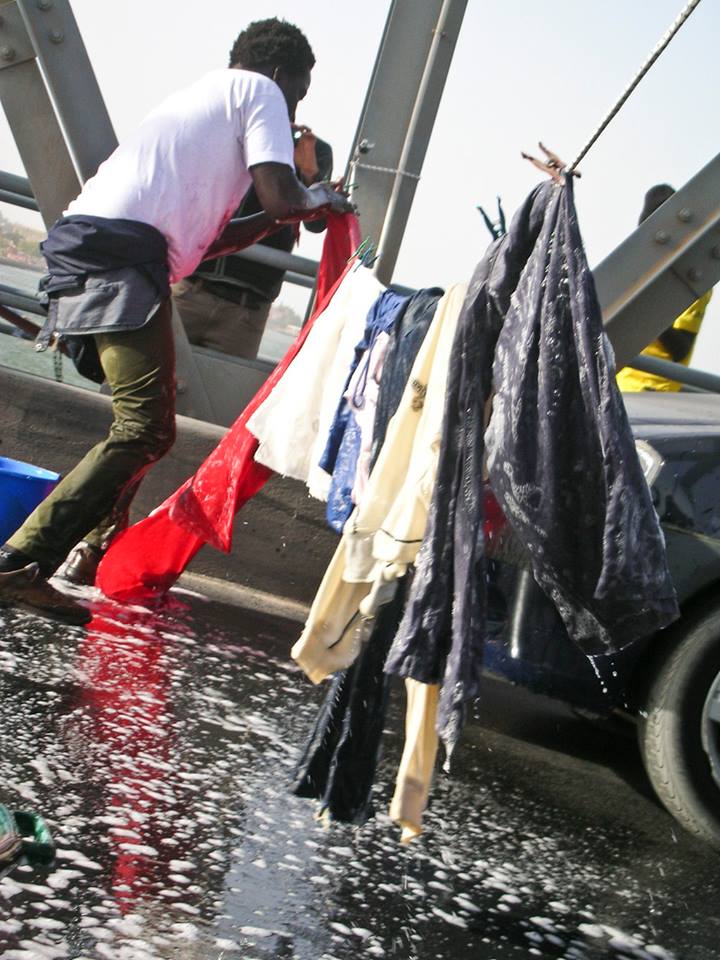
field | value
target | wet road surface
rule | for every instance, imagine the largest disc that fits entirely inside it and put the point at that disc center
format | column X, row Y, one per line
column 159, row 746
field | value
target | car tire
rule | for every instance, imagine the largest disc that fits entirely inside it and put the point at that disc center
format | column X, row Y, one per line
column 679, row 727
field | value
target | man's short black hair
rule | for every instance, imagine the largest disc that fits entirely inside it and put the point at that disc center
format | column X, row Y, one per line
column 267, row 44
column 654, row 198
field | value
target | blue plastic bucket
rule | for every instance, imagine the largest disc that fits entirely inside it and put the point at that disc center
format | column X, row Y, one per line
column 22, row 488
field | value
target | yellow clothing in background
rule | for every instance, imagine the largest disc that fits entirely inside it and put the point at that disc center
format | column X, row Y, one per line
column 633, row 381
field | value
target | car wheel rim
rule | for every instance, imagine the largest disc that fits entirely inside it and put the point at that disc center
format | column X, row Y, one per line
column 711, row 728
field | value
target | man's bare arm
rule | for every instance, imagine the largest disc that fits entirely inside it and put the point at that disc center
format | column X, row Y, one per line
column 286, row 199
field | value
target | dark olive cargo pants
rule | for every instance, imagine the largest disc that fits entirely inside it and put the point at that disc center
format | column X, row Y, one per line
column 92, row 501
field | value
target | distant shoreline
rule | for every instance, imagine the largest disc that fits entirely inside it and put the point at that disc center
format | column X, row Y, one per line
column 31, row 268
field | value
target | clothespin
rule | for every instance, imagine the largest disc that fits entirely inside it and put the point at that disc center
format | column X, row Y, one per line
column 361, row 249
column 497, row 227
column 365, row 252
column 553, row 166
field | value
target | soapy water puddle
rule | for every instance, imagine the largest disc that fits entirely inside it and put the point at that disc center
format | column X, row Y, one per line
column 159, row 745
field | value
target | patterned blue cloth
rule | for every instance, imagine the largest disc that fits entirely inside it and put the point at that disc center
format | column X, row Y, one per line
column 341, row 452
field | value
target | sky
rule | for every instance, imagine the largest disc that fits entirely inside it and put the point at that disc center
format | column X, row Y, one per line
column 522, row 72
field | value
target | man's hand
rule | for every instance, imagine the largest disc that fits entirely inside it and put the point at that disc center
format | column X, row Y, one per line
column 286, row 199
column 329, row 198
column 305, row 156
column 315, row 204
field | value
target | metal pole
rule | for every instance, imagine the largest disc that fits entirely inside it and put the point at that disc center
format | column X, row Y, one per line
column 15, row 184
column 708, row 382
column 258, row 253
column 20, row 300
column 418, row 137
column 389, row 104
column 17, row 200
column 32, row 120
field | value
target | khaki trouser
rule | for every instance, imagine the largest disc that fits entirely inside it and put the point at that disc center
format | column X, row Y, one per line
column 218, row 324
column 93, row 500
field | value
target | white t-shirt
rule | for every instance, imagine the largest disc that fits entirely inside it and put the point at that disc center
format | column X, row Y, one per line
column 186, row 168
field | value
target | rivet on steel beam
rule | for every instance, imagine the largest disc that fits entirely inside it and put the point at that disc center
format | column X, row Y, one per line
column 694, row 274
column 684, row 215
column 715, row 252
column 57, row 36
column 44, row 4
column 7, row 54
column 662, row 237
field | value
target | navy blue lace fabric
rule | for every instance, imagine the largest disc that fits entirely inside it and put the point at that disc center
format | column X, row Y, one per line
column 405, row 342
column 562, row 464
column 339, row 761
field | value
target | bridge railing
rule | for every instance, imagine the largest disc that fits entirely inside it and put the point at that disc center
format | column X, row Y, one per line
column 302, row 272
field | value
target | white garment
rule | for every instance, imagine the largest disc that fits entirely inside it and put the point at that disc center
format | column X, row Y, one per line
column 186, row 168
column 294, row 420
column 318, row 481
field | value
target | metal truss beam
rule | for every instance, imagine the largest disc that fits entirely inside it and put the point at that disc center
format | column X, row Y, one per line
column 388, row 108
column 418, row 137
column 32, row 118
column 70, row 78
column 662, row 267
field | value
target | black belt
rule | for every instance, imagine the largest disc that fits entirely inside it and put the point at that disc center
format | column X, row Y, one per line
column 240, row 295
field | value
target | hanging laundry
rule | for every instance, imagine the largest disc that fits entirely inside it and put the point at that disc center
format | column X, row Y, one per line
column 560, row 448
column 361, row 395
column 562, row 458
column 342, row 450
column 148, row 557
column 394, row 509
column 381, row 539
column 561, row 452
column 339, row 761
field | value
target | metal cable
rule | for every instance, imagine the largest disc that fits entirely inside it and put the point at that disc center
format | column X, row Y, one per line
column 662, row 43
column 392, row 170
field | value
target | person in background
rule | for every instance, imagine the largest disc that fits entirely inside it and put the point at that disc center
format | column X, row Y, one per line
column 156, row 207
column 678, row 341
column 225, row 304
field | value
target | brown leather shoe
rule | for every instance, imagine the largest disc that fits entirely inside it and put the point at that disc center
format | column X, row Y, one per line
column 28, row 588
column 81, row 564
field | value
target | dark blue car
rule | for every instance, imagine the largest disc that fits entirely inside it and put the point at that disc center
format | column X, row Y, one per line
column 670, row 682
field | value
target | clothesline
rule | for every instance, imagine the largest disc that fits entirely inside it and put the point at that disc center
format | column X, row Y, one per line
column 642, row 72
